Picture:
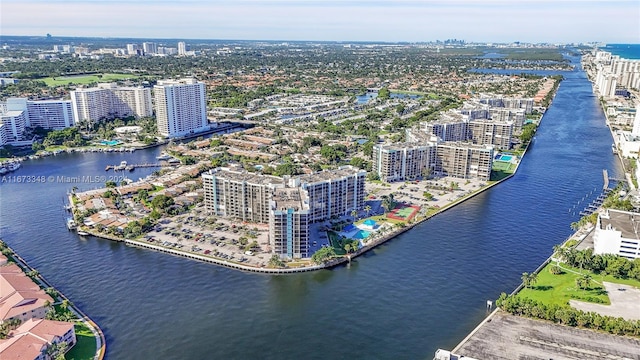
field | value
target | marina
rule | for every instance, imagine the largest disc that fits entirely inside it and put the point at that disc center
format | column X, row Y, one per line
column 130, row 167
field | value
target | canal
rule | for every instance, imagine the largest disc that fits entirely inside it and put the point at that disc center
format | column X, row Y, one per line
column 422, row 291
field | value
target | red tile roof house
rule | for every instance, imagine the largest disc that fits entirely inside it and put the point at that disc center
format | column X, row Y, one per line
column 32, row 339
column 20, row 297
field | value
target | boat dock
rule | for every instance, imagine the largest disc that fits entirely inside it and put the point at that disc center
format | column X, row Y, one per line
column 132, row 167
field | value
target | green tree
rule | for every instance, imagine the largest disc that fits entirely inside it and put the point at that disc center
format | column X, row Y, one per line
column 161, row 202
column 276, row 262
column 323, row 255
column 384, row 93
column 367, row 209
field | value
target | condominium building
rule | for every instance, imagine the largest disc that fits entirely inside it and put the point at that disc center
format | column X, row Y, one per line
column 289, row 222
column 149, row 48
column 50, row 114
column 131, row 101
column 180, row 107
column 406, row 161
column 289, row 205
column 182, row 48
column 333, row 193
column 488, row 132
column 449, row 129
column 616, row 232
column 108, row 101
column 239, row 194
column 463, row 160
column 14, row 122
column 3, row 134
column 511, row 103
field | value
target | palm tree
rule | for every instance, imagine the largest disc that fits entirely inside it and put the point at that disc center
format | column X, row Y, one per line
column 367, row 208
column 526, row 279
column 354, row 213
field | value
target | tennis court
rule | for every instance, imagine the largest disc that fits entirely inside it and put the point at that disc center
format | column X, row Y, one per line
column 403, row 212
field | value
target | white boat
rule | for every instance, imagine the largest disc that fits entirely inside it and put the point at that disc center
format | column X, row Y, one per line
column 163, row 156
column 613, row 148
column 3, row 171
column 71, row 224
column 82, row 233
column 12, row 166
column 122, row 166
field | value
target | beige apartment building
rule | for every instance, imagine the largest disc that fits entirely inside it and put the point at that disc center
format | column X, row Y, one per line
column 289, row 204
column 399, row 162
column 464, row 160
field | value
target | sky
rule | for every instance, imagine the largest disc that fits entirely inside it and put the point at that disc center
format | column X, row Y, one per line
column 552, row 21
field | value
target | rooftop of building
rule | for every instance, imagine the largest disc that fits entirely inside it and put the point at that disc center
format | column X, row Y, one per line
column 241, row 175
column 289, row 198
column 327, row 175
column 628, row 223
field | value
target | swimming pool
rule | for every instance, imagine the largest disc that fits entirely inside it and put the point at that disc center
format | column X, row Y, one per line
column 361, row 234
column 506, row 157
column 110, row 142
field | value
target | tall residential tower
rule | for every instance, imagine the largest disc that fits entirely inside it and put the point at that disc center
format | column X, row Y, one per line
column 180, row 107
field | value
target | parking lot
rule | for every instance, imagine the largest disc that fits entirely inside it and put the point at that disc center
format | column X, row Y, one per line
column 441, row 190
column 222, row 238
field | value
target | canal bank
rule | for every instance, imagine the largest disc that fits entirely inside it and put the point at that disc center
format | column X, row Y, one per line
column 571, row 342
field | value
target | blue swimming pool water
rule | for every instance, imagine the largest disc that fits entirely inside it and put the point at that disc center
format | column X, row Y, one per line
column 110, row 142
column 506, row 157
column 361, row 234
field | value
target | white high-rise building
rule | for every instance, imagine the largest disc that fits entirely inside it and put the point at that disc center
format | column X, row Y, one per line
column 182, row 48
column 110, row 101
column 180, row 107
column 132, row 49
column 50, row 114
column 132, row 101
column 14, row 124
column 91, row 104
column 149, row 48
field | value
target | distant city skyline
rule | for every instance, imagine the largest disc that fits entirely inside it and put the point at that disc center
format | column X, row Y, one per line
column 559, row 21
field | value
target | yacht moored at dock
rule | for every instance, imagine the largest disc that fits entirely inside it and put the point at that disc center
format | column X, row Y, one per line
column 71, row 224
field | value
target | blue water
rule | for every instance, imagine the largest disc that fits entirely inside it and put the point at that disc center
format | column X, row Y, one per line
column 365, row 98
column 361, row 234
column 110, row 142
column 625, row 51
column 424, row 290
column 506, row 158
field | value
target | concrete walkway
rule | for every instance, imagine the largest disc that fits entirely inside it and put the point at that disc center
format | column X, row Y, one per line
column 625, row 302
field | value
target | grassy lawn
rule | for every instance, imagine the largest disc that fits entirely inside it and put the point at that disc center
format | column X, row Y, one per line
column 499, row 175
column 85, row 348
column 86, row 79
column 503, row 166
column 558, row 289
column 334, row 239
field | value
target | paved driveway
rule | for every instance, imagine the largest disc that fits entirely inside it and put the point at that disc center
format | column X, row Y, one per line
column 625, row 302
